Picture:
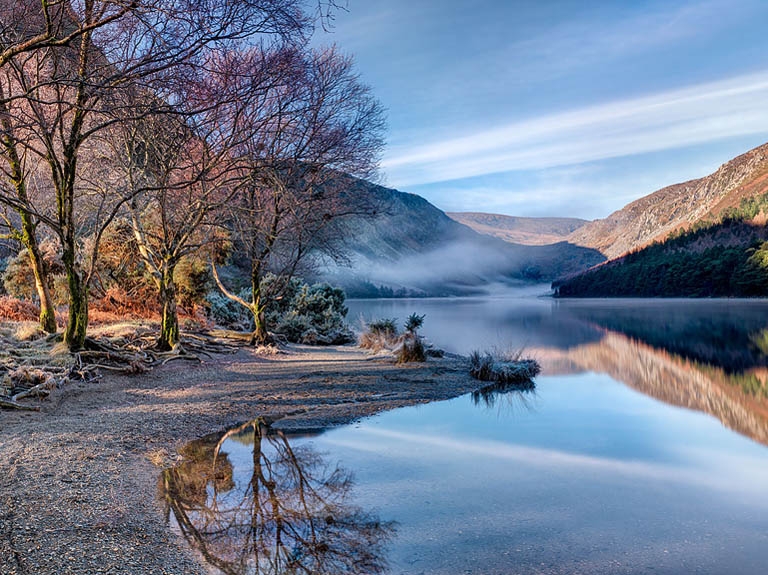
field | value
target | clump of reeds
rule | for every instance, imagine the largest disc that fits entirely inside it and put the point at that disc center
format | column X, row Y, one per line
column 498, row 368
column 380, row 335
column 408, row 346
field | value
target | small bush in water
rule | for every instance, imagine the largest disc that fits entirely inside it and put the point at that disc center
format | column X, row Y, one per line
column 488, row 367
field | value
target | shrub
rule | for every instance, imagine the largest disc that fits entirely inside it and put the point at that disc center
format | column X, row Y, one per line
column 412, row 348
column 228, row 313
column 414, row 323
column 314, row 315
column 13, row 309
column 493, row 368
column 386, row 327
column 310, row 314
column 18, row 278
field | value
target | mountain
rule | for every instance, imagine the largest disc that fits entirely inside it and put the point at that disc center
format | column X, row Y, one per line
column 414, row 248
column 676, row 207
column 726, row 259
column 527, row 231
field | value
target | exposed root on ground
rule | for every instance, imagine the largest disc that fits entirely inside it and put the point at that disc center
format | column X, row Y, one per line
column 32, row 369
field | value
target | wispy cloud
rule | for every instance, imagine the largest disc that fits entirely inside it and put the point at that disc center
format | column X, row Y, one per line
column 739, row 467
column 668, row 120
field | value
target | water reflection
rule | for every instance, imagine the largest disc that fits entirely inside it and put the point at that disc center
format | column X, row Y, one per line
column 286, row 512
column 707, row 355
column 508, row 395
column 738, row 400
column 731, row 335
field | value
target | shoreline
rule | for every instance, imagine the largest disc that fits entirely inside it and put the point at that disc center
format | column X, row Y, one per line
column 78, row 490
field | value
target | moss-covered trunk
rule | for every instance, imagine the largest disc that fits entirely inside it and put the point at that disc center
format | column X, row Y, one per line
column 169, row 327
column 29, row 239
column 260, row 335
column 77, row 324
column 28, row 227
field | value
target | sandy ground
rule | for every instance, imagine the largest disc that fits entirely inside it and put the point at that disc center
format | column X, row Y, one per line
column 78, row 480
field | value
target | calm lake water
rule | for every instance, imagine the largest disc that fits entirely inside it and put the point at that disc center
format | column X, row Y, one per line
column 642, row 450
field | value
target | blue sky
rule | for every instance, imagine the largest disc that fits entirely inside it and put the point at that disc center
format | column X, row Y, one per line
column 559, row 108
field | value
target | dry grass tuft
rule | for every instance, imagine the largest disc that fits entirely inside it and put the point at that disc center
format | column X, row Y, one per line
column 380, row 335
column 28, row 331
column 412, row 350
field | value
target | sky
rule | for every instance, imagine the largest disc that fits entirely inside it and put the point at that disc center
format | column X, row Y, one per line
column 558, row 108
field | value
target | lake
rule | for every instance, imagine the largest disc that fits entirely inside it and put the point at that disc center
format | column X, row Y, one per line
column 642, row 450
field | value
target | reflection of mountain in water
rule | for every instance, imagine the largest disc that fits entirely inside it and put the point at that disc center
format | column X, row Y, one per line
column 711, row 362
column 289, row 513
column 729, row 335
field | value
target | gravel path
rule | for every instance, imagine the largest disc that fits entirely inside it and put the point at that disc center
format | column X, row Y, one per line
column 78, row 480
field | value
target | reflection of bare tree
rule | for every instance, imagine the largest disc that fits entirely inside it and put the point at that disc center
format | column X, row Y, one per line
column 293, row 516
column 512, row 396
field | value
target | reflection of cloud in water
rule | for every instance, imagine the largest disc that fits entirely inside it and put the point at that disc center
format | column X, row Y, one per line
column 746, row 474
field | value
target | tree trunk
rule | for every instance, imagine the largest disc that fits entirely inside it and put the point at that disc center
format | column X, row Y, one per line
column 28, row 232
column 169, row 328
column 29, row 239
column 260, row 335
column 77, row 324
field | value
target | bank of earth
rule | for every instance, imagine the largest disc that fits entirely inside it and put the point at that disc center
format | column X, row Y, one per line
column 78, row 487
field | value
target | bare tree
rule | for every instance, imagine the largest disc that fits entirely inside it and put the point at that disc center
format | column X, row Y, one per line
column 73, row 85
column 17, row 174
column 175, row 179
column 318, row 125
column 178, row 171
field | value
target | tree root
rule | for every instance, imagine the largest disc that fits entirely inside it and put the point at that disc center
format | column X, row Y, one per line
column 40, row 390
column 33, row 369
column 11, row 404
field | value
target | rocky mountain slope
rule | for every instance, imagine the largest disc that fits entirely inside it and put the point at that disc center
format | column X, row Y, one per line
column 675, row 207
column 527, row 231
column 413, row 248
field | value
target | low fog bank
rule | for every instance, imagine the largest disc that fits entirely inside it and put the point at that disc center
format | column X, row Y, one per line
column 460, row 268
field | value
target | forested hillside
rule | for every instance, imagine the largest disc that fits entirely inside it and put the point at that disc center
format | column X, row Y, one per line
column 727, row 258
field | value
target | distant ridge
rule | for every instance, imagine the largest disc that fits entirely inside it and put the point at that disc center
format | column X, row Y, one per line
column 519, row 230
column 414, row 248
